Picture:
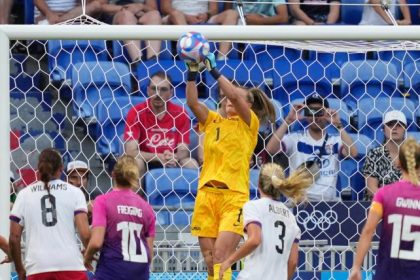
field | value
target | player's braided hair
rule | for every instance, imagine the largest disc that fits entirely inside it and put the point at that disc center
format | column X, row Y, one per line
column 49, row 163
column 126, row 172
column 409, row 157
column 273, row 183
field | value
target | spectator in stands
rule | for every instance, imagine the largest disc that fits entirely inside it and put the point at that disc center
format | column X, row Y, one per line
column 78, row 175
column 56, row 11
column 157, row 131
column 144, row 12
column 310, row 12
column 5, row 9
column 314, row 143
column 381, row 165
column 257, row 13
column 376, row 15
column 182, row 12
column 4, row 246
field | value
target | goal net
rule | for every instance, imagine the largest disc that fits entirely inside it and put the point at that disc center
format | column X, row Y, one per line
column 71, row 88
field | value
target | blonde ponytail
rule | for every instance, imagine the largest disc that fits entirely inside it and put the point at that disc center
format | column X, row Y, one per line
column 409, row 157
column 126, row 172
column 273, row 183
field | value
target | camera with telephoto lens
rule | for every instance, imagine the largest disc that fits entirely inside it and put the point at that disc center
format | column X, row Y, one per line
column 308, row 112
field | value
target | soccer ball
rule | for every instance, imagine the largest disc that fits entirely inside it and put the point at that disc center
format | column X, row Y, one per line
column 193, row 47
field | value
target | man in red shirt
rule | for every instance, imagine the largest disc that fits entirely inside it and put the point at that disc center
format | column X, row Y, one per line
column 157, row 131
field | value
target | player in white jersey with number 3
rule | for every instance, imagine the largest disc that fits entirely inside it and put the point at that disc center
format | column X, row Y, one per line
column 49, row 210
column 272, row 234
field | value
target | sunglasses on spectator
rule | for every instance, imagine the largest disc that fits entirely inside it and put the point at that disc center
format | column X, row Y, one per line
column 313, row 112
column 159, row 89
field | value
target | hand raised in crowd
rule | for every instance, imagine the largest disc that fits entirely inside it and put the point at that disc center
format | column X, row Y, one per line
column 294, row 113
column 333, row 117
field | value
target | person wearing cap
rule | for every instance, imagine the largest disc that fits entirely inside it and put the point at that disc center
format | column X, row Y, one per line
column 78, row 175
column 314, row 143
column 382, row 165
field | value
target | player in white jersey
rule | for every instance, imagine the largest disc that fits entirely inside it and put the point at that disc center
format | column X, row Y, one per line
column 49, row 210
column 272, row 234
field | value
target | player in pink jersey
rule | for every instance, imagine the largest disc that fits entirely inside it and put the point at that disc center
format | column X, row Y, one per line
column 123, row 228
column 398, row 206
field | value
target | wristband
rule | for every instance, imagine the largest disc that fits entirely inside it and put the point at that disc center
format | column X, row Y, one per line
column 215, row 73
column 192, row 76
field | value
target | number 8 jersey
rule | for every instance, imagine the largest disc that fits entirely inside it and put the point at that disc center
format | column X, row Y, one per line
column 128, row 220
column 48, row 221
column 279, row 231
column 399, row 247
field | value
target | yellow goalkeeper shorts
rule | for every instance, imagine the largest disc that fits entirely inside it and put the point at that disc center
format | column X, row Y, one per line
column 217, row 210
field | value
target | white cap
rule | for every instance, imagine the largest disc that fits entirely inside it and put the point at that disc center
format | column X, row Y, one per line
column 76, row 165
column 395, row 115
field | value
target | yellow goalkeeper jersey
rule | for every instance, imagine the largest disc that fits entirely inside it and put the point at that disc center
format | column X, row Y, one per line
column 228, row 147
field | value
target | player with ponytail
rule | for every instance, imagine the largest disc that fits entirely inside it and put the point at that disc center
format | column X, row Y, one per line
column 398, row 206
column 49, row 210
column 229, row 141
column 271, row 246
column 123, row 228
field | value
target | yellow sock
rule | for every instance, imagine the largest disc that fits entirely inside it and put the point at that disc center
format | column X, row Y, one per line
column 226, row 276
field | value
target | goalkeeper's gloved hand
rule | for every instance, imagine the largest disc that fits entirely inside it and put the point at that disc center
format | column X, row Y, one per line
column 193, row 68
column 210, row 62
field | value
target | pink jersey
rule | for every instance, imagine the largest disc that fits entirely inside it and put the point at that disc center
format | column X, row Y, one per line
column 399, row 247
column 154, row 135
column 128, row 220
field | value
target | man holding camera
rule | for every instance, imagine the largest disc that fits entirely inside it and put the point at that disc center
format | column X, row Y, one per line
column 314, row 146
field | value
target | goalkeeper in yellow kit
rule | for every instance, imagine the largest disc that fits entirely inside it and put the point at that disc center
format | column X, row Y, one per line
column 224, row 180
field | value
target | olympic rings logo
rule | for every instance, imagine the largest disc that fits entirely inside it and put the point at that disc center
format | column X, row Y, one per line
column 317, row 219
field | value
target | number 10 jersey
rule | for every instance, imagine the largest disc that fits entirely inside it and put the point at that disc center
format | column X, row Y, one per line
column 279, row 231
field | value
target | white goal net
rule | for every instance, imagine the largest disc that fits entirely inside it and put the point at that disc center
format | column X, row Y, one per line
column 74, row 95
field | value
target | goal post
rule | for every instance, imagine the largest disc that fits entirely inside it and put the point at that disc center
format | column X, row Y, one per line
column 408, row 38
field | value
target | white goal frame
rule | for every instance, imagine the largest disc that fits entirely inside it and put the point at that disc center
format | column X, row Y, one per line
column 150, row 32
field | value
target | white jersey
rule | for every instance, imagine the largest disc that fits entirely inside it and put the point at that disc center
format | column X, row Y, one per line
column 191, row 7
column 371, row 17
column 279, row 231
column 51, row 243
column 300, row 147
column 61, row 6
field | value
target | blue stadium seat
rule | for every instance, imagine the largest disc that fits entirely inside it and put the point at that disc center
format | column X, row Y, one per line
column 371, row 112
column 244, row 72
column 183, row 103
column 299, row 79
column 171, row 186
column 174, row 68
column 350, row 175
column 180, row 218
column 120, row 54
column 352, row 14
column 253, row 180
column 414, row 11
column 232, row 54
column 63, row 54
column 412, row 79
column 266, row 54
column 110, row 115
column 400, row 59
column 20, row 79
column 367, row 78
column 94, row 81
column 333, row 61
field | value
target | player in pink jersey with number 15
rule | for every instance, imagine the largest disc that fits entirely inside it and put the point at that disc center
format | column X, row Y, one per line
column 398, row 206
column 123, row 228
